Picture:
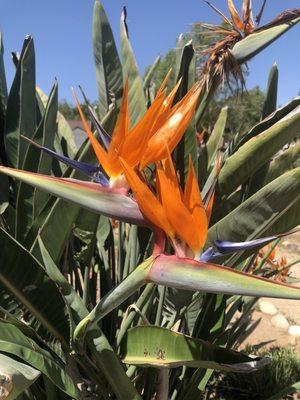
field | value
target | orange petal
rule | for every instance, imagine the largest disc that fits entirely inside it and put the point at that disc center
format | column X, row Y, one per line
column 148, row 203
column 119, row 134
column 164, row 82
column 178, row 215
column 98, row 149
column 194, row 202
column 272, row 255
column 248, row 16
column 172, row 130
column 166, row 109
column 235, row 16
column 171, row 173
column 135, row 141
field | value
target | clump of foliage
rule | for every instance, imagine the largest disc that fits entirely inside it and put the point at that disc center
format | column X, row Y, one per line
column 283, row 371
column 123, row 264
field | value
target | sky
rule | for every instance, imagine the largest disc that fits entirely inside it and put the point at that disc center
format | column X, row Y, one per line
column 62, row 35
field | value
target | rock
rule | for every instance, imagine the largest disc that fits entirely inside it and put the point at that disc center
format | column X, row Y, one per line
column 294, row 330
column 267, row 308
column 279, row 321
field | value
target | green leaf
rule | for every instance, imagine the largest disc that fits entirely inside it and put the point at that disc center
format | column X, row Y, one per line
column 151, row 72
column 188, row 144
column 56, row 221
column 153, row 346
column 288, row 160
column 49, row 131
column 64, row 139
column 214, row 142
column 32, row 287
column 54, row 225
column 4, row 185
column 108, row 66
column 270, row 103
column 21, row 106
column 85, row 194
column 268, row 122
column 137, row 100
column 295, row 388
column 13, row 341
column 103, row 352
column 286, row 221
column 256, row 152
column 75, row 302
column 257, row 41
column 187, row 274
column 255, row 216
column 29, row 202
column 18, row 377
column 3, row 97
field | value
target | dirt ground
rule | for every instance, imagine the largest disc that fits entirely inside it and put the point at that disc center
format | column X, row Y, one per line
column 265, row 331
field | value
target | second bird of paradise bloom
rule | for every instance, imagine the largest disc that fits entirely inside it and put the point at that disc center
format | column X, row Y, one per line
column 182, row 215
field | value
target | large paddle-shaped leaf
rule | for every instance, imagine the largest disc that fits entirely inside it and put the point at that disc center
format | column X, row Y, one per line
column 13, row 341
column 267, row 122
column 86, row 194
column 64, row 139
column 21, row 106
column 153, row 346
column 137, row 100
column 15, row 377
column 257, row 151
column 107, row 62
column 288, row 160
column 256, row 216
column 99, row 345
column 294, row 388
column 26, row 280
column 254, row 43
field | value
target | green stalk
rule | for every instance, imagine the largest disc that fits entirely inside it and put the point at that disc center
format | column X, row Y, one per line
column 50, row 389
column 121, row 252
column 85, row 296
column 140, row 303
column 266, row 256
column 133, row 247
column 163, row 384
column 113, row 299
column 109, row 363
column 161, row 301
column 275, row 272
column 127, row 261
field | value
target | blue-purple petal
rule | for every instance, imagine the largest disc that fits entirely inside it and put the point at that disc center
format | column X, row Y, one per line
column 226, row 247
column 209, row 254
column 92, row 171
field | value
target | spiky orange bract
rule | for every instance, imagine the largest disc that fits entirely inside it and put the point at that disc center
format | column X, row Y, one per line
column 98, row 149
column 235, row 15
column 173, row 129
column 148, row 203
column 136, row 142
column 193, row 201
column 179, row 214
column 119, row 134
